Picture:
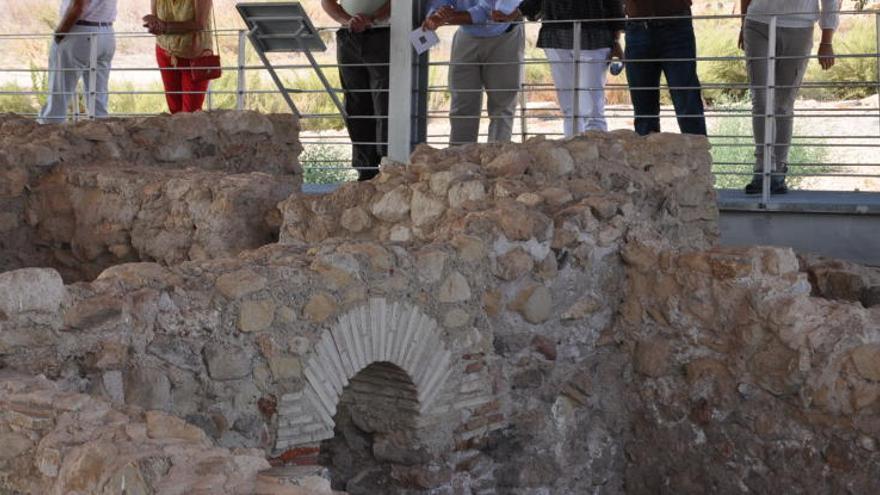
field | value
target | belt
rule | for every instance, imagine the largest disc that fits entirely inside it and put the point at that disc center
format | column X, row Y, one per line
column 662, row 21
column 91, row 23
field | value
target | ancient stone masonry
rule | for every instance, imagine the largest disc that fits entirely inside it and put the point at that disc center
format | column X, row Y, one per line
column 63, row 442
column 746, row 379
column 547, row 317
column 83, row 197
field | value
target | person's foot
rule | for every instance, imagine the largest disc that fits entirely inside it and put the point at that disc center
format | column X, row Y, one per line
column 778, row 186
column 777, row 183
column 756, row 186
column 367, row 173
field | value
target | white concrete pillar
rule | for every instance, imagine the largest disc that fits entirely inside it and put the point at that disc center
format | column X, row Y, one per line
column 401, row 97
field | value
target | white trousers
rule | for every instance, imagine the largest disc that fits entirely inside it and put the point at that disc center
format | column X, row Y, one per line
column 69, row 61
column 591, row 89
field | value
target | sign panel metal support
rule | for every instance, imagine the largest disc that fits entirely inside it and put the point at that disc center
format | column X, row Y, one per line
column 284, row 27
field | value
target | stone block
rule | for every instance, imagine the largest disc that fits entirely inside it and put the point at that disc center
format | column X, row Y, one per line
column 227, row 362
column 93, row 312
column 256, row 316
column 320, row 307
column 424, row 209
column 163, row 426
column 31, row 289
column 867, row 361
column 394, row 205
column 355, row 219
column 652, row 357
column 454, row 289
column 240, row 283
column 148, row 388
column 534, row 303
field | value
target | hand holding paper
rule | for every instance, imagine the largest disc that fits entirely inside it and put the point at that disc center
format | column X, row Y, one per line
column 422, row 40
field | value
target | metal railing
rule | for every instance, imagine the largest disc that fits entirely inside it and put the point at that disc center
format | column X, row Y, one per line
column 842, row 141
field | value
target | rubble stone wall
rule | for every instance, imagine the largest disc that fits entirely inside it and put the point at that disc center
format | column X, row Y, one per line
column 82, row 197
column 547, row 317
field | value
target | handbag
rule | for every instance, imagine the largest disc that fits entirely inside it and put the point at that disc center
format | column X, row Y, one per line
column 207, row 65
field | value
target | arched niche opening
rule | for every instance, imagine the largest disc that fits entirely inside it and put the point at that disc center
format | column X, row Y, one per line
column 376, row 446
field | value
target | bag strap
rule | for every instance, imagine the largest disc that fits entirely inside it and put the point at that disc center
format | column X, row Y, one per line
column 214, row 25
column 212, row 28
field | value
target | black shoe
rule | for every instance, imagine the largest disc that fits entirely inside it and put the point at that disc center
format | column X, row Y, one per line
column 778, row 187
column 756, row 186
column 367, row 173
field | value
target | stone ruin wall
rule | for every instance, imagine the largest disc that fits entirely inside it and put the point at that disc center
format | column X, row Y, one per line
column 552, row 317
column 81, row 198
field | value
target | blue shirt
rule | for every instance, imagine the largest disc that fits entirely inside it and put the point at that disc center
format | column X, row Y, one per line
column 481, row 25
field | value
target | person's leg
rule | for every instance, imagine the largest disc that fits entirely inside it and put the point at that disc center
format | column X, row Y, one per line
column 502, row 81
column 62, row 79
column 755, row 41
column 676, row 41
column 643, row 78
column 793, row 48
column 170, row 80
column 357, row 103
column 193, row 91
column 379, row 55
column 592, row 94
column 466, row 87
column 106, row 50
column 562, row 70
column 106, row 47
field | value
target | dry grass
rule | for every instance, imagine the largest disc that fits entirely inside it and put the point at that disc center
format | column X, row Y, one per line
column 40, row 16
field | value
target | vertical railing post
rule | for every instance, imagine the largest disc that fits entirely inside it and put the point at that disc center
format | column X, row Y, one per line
column 74, row 101
column 241, row 86
column 401, row 87
column 769, row 120
column 210, row 97
column 877, row 53
column 93, row 74
column 576, row 100
column 523, row 101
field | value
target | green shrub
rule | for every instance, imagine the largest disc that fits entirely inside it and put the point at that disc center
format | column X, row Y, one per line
column 719, row 40
column 39, row 83
column 12, row 99
column 123, row 101
column 327, row 164
column 857, row 36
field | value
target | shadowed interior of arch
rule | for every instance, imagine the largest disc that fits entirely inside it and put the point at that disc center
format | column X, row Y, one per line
column 376, row 431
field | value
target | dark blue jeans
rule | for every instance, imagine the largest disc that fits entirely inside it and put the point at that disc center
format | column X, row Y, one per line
column 658, row 40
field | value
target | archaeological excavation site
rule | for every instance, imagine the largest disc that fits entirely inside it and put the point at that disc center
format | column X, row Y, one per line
column 553, row 317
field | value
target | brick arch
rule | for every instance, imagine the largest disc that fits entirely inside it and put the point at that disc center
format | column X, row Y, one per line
column 377, row 332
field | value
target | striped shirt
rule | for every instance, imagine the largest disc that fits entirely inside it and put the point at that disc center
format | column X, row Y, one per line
column 95, row 11
column 796, row 13
column 594, row 35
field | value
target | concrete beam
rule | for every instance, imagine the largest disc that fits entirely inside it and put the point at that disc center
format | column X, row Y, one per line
column 401, row 103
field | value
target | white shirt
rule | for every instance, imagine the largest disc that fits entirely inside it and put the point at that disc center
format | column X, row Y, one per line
column 354, row 7
column 95, row 11
column 796, row 13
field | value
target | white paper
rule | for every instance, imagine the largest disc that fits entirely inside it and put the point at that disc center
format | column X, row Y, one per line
column 423, row 40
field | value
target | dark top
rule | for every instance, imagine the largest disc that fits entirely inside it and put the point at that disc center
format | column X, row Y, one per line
column 594, row 35
column 656, row 8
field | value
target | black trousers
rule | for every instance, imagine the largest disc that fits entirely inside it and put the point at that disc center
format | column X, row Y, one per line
column 365, row 88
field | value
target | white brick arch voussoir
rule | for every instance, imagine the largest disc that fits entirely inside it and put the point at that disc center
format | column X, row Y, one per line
column 379, row 331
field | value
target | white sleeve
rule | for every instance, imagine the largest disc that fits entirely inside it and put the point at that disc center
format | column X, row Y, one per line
column 830, row 17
